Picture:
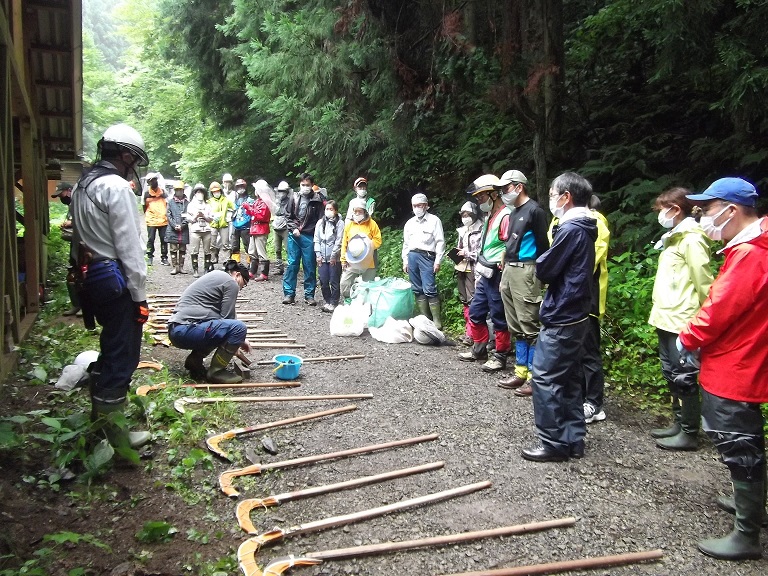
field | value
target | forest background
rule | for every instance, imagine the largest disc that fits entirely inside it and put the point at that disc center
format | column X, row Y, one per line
column 636, row 95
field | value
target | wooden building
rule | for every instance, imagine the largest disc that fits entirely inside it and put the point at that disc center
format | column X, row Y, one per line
column 40, row 144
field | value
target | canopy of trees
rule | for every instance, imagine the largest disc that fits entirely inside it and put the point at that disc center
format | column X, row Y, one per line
column 636, row 95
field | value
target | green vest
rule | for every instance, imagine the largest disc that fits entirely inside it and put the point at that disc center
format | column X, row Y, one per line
column 493, row 247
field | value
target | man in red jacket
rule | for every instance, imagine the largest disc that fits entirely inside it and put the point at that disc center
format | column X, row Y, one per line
column 728, row 336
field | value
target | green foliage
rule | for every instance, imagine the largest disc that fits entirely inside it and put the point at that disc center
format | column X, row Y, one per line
column 156, row 531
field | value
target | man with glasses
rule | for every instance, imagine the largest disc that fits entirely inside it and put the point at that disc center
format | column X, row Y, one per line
column 727, row 338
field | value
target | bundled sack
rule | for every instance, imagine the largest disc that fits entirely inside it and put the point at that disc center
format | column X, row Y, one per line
column 350, row 320
column 425, row 332
column 393, row 332
column 388, row 297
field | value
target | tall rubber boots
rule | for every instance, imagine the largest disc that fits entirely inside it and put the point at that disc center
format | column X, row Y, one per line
column 434, row 308
column 215, row 255
column 73, row 298
column 235, row 257
column 217, row 372
column 743, row 543
column 117, row 435
column 252, row 270
column 208, row 265
column 674, row 428
column 690, row 420
column 423, row 305
column 174, row 263
column 195, row 270
column 194, row 363
column 182, row 255
column 279, row 268
column 264, row 273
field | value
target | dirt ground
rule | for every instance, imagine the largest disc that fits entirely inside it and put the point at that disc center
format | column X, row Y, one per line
column 626, row 495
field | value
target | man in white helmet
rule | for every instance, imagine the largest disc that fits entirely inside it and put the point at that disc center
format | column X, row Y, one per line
column 108, row 249
column 228, row 191
column 280, row 223
column 361, row 192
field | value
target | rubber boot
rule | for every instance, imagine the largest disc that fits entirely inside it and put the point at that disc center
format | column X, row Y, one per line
column 217, row 372
column 174, row 263
column 194, row 364
column 208, row 264
column 117, row 435
column 235, row 257
column 423, row 305
column 252, row 270
column 215, row 255
column 690, row 419
column 182, row 255
column 743, row 543
column 674, row 428
column 479, row 351
column 195, row 270
column 434, row 308
column 727, row 503
column 279, row 269
column 74, row 299
column 264, row 274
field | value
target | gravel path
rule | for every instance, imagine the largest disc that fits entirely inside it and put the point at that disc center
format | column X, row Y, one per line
column 626, row 494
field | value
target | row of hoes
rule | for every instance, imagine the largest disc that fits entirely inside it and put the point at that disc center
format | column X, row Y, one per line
column 248, row 550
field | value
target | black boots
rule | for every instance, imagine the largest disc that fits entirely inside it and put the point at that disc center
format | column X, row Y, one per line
column 690, row 419
column 674, row 428
column 743, row 543
column 479, row 351
column 195, row 270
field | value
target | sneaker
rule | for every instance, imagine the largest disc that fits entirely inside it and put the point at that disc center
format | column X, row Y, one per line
column 289, row 300
column 493, row 365
column 165, row 262
column 591, row 414
column 310, row 301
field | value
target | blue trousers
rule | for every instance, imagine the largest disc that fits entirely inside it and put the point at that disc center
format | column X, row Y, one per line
column 120, row 344
column 421, row 273
column 206, row 336
column 558, row 405
column 592, row 360
column 487, row 300
column 301, row 250
column 330, row 282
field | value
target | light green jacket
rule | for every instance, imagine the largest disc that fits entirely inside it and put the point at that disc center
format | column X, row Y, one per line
column 683, row 277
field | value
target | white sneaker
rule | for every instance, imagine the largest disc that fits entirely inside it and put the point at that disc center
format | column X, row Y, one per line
column 590, row 414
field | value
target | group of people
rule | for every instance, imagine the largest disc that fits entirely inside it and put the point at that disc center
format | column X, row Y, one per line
column 709, row 329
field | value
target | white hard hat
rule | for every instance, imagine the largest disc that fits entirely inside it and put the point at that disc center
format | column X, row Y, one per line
column 419, row 199
column 226, row 178
column 358, row 248
column 484, row 183
column 513, row 176
column 283, row 186
column 425, row 331
column 85, row 358
column 358, row 203
column 126, row 137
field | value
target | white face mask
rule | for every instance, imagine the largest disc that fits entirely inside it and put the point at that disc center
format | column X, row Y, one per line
column 217, row 194
column 557, row 211
column 358, row 217
column 330, row 214
column 199, row 197
column 708, row 225
column 486, row 206
column 361, row 192
column 466, row 220
column 665, row 222
column 419, row 212
column 510, row 197
column 305, row 190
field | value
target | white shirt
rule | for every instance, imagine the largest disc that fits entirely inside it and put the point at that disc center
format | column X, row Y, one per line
column 425, row 233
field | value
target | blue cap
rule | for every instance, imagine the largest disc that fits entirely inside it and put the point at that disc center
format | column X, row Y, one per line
column 736, row 190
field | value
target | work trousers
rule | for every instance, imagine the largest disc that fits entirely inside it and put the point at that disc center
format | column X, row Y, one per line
column 207, row 335
column 152, row 231
column 281, row 238
column 301, row 250
column 558, row 407
column 329, row 276
column 238, row 235
column 521, row 294
column 120, row 346
column 421, row 273
column 487, row 300
column 220, row 238
column 197, row 240
column 736, row 430
column 349, row 276
column 257, row 248
column 465, row 282
column 592, row 361
column 682, row 380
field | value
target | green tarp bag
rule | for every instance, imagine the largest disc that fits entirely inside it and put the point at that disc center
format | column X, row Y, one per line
column 388, row 297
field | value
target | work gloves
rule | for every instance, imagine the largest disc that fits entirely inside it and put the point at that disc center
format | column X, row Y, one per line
column 142, row 311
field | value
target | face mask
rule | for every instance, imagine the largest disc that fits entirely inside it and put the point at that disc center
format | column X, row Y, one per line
column 199, row 197
column 330, row 214
column 358, row 217
column 557, row 211
column 486, row 206
column 419, row 212
column 466, row 220
column 305, row 190
column 665, row 222
column 217, row 195
column 66, row 200
column 510, row 197
column 241, row 191
column 708, row 225
column 361, row 192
